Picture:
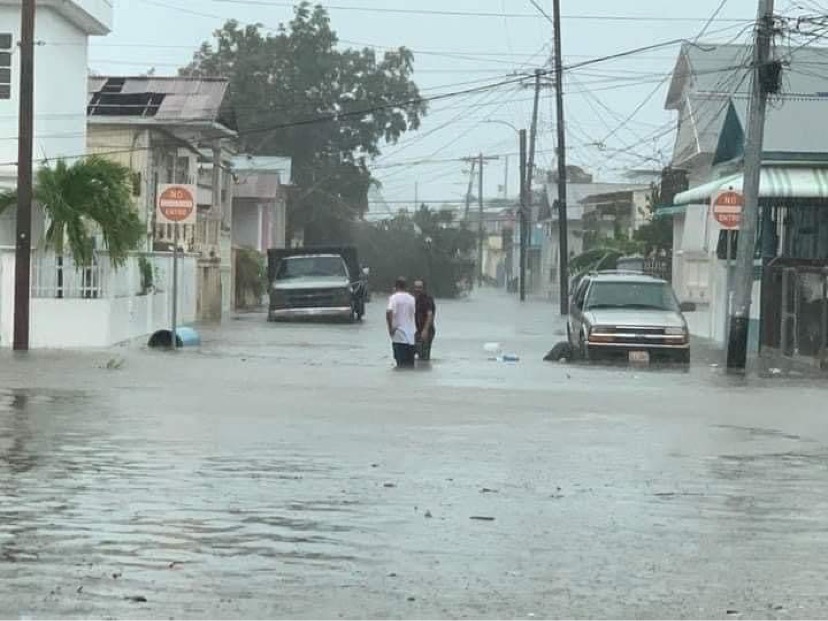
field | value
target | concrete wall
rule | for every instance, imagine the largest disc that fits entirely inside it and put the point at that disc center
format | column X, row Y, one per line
column 105, row 321
column 247, row 224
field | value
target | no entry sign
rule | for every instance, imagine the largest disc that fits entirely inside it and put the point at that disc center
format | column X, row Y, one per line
column 177, row 204
column 727, row 209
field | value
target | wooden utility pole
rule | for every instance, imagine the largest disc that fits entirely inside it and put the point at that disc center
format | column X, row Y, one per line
column 563, row 223
column 23, row 249
column 533, row 135
column 522, row 215
column 743, row 278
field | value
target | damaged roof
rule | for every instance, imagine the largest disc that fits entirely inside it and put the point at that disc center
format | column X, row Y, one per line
column 165, row 100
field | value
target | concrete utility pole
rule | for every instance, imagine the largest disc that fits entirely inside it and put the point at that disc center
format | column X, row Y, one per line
column 23, row 250
column 522, row 215
column 743, row 280
column 480, row 161
column 480, row 228
column 563, row 223
column 469, row 191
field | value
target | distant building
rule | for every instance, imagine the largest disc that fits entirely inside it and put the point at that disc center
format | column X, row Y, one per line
column 172, row 130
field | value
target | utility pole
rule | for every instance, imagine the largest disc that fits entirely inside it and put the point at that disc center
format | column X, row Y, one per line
column 522, row 211
column 480, row 160
column 563, row 224
column 480, row 228
column 533, row 135
column 469, row 191
column 23, row 250
column 743, row 280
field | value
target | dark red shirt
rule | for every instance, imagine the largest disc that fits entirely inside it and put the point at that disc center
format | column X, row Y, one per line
column 425, row 303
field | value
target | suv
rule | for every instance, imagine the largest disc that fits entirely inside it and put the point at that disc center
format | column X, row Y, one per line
column 634, row 316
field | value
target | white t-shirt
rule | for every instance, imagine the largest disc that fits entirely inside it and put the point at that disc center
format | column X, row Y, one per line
column 403, row 308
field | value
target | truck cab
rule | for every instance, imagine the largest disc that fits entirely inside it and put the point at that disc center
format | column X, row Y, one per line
column 315, row 283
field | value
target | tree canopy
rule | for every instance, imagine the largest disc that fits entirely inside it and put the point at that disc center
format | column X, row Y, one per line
column 426, row 244
column 295, row 93
column 91, row 194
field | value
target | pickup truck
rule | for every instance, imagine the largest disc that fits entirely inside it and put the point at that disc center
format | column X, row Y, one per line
column 316, row 282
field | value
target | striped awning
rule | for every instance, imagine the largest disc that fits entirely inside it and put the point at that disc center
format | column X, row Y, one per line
column 776, row 182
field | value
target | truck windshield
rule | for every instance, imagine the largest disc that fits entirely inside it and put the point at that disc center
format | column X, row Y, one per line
column 310, row 267
column 656, row 296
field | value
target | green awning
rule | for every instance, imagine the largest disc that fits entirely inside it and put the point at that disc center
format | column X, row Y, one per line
column 776, row 182
column 667, row 211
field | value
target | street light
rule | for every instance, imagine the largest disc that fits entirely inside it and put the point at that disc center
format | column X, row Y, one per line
column 506, row 123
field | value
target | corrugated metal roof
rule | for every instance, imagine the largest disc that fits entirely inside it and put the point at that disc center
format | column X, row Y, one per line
column 185, row 99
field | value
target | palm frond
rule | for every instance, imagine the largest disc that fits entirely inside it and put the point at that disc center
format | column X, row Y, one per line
column 94, row 193
column 8, row 198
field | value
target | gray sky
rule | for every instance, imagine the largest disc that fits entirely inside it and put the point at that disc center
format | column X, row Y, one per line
column 458, row 52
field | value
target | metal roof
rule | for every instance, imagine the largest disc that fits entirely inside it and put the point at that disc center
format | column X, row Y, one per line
column 184, row 98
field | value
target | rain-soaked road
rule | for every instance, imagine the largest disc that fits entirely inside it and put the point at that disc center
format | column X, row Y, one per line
column 287, row 471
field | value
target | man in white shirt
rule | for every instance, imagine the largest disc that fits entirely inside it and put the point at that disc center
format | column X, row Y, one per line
column 402, row 326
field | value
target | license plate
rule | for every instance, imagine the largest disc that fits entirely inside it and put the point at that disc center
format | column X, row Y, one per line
column 639, row 357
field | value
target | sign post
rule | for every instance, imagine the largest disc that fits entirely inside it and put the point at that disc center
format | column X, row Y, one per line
column 176, row 205
column 727, row 209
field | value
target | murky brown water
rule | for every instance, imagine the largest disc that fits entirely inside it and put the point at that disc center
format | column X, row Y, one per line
column 286, row 471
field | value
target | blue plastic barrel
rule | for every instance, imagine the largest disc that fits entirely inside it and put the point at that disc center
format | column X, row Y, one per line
column 185, row 337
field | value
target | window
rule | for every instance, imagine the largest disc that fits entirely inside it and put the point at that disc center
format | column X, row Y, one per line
column 5, row 65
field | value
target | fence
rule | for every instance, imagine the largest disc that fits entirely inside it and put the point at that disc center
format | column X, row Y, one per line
column 97, row 305
column 660, row 267
column 795, row 310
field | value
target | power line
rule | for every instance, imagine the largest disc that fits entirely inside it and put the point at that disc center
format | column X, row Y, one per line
column 480, row 14
column 542, row 11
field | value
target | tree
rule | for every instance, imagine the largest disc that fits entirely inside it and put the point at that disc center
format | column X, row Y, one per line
column 657, row 234
column 427, row 244
column 93, row 194
column 295, row 93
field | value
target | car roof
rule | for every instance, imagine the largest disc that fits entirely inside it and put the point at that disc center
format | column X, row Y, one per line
column 630, row 277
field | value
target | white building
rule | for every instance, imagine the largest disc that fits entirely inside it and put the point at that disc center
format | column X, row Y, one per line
column 62, row 31
column 91, row 306
column 260, row 201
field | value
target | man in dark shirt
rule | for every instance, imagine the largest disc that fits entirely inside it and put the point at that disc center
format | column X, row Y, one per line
column 425, row 320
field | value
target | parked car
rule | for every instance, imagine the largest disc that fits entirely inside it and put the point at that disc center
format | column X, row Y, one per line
column 630, row 316
column 322, row 282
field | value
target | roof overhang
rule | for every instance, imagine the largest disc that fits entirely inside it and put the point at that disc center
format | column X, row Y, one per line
column 93, row 17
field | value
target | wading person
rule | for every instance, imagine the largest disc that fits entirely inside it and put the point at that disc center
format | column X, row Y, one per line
column 402, row 327
column 425, row 311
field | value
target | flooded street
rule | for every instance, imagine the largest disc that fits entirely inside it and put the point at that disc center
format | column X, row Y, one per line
column 286, row 470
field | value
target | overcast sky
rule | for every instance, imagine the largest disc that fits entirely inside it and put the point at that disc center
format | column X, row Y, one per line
column 454, row 52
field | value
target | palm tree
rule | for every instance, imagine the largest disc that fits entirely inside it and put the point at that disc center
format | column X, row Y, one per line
column 91, row 194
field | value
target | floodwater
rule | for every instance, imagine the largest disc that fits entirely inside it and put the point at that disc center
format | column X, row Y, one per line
column 285, row 470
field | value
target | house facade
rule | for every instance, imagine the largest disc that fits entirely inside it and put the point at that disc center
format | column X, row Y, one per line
column 710, row 94
column 171, row 130
column 260, row 202
column 595, row 210
column 62, row 29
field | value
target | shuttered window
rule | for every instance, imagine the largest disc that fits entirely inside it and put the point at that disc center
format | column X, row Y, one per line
column 5, row 65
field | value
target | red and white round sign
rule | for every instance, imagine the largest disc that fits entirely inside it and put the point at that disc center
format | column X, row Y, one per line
column 177, row 204
column 727, row 209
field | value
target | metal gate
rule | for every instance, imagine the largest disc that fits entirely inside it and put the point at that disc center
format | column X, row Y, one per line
column 795, row 309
